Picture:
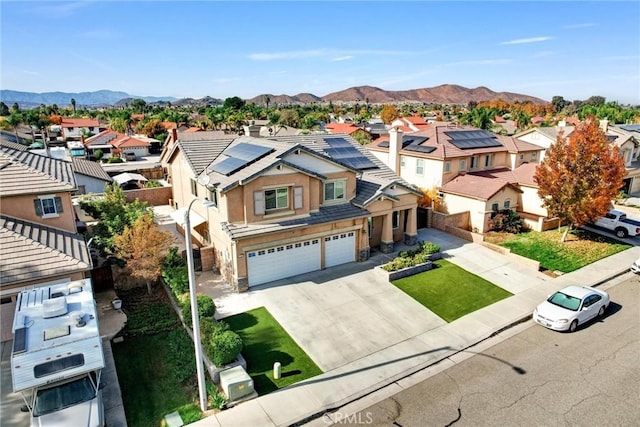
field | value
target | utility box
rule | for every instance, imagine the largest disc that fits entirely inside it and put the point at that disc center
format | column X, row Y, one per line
column 236, row 383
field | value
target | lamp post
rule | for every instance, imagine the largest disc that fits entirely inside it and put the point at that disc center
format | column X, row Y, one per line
column 195, row 319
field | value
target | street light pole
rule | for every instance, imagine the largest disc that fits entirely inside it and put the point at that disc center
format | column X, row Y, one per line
column 195, row 318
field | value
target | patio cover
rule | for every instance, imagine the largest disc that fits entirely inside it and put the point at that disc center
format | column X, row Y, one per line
column 127, row 176
column 194, row 218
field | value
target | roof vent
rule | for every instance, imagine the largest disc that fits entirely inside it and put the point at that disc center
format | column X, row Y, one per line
column 54, row 307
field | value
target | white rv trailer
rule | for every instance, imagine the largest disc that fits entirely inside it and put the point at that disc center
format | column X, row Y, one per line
column 57, row 356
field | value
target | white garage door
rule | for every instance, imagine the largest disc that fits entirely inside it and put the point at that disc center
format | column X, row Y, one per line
column 283, row 261
column 339, row 249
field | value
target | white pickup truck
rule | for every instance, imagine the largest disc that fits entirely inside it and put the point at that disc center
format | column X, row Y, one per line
column 618, row 222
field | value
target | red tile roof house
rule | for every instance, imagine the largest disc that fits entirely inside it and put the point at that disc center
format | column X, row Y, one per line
column 410, row 124
column 438, row 155
column 72, row 129
column 286, row 205
column 38, row 235
column 114, row 143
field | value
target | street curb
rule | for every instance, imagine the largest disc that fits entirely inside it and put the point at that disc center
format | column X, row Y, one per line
column 363, row 393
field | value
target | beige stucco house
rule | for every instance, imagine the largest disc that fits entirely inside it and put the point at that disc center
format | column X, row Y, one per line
column 39, row 242
column 287, row 205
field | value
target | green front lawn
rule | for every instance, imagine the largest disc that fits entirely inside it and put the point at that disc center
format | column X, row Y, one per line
column 266, row 342
column 450, row 291
column 581, row 247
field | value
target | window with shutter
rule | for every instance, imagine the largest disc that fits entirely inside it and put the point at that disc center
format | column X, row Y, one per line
column 258, row 202
column 297, row 198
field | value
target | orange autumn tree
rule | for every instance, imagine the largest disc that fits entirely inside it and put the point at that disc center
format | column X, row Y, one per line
column 580, row 175
column 143, row 246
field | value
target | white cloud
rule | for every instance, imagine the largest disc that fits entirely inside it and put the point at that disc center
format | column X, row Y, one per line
column 528, row 40
column 332, row 54
column 342, row 58
column 29, row 72
column 224, row 80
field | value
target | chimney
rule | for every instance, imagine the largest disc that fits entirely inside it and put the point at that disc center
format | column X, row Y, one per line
column 604, row 125
column 252, row 130
column 395, row 145
column 174, row 133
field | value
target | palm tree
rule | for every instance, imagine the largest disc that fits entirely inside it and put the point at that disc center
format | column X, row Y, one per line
column 15, row 120
column 73, row 105
column 266, row 100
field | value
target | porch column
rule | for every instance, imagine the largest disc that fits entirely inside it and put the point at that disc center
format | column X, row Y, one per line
column 411, row 232
column 386, row 243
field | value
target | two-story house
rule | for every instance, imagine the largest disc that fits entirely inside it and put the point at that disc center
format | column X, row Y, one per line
column 459, row 161
column 39, row 242
column 622, row 136
column 288, row 205
column 75, row 128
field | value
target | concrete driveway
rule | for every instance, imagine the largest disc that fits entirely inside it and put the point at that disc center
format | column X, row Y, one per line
column 348, row 312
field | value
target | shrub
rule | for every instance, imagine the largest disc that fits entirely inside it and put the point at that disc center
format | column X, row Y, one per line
column 506, row 220
column 216, row 398
column 412, row 257
column 114, row 159
column 206, row 308
column 177, row 278
column 223, row 348
column 210, row 327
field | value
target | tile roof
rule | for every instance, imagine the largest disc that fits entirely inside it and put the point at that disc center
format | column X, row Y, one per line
column 79, row 123
column 347, row 128
column 436, row 144
column 116, row 139
column 11, row 144
column 32, row 251
column 476, row 186
column 86, row 167
column 325, row 214
column 201, row 148
column 23, row 172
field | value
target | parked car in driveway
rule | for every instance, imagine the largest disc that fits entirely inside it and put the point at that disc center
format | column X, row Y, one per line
column 635, row 267
column 618, row 222
column 570, row 307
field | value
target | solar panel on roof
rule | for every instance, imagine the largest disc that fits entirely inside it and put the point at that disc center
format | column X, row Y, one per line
column 229, row 166
column 337, row 142
column 248, row 152
column 467, row 139
column 351, row 157
column 20, row 340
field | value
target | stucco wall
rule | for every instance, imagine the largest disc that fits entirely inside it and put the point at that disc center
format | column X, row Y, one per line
column 442, row 221
column 154, row 196
column 23, row 207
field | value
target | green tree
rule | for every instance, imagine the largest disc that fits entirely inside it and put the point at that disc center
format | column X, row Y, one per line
column 113, row 213
column 4, row 110
column 138, row 105
column 234, row 103
column 73, row 105
column 559, row 103
column 580, row 175
column 14, row 120
column 266, row 99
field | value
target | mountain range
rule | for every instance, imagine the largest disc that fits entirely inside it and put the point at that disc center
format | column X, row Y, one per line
column 443, row 94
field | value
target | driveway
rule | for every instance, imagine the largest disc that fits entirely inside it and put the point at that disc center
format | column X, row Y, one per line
column 347, row 312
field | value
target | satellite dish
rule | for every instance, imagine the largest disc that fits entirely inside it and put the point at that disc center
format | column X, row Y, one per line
column 204, row 179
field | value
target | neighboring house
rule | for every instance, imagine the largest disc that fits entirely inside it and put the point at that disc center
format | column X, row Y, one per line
column 113, row 143
column 410, row 124
column 287, row 205
column 356, row 132
column 431, row 158
column 73, row 128
column 90, row 176
column 487, row 192
column 461, row 162
column 38, row 237
column 622, row 136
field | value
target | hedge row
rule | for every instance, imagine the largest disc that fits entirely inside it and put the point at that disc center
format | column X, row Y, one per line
column 406, row 259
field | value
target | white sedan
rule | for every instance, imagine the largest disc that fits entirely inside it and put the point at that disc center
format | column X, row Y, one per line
column 635, row 267
column 570, row 307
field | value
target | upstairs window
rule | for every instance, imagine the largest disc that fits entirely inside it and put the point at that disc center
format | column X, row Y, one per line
column 419, row 166
column 488, row 160
column 534, row 155
column 334, row 191
column 48, row 206
column 507, row 204
column 213, row 196
column 194, row 187
column 447, row 167
column 474, row 162
column 276, row 199
column 463, row 164
column 494, row 207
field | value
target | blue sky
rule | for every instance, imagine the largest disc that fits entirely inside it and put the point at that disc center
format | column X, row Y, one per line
column 222, row 49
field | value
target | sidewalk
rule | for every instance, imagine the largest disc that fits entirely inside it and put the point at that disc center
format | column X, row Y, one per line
column 335, row 388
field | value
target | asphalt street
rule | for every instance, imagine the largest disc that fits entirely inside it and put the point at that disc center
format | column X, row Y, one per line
column 537, row 377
